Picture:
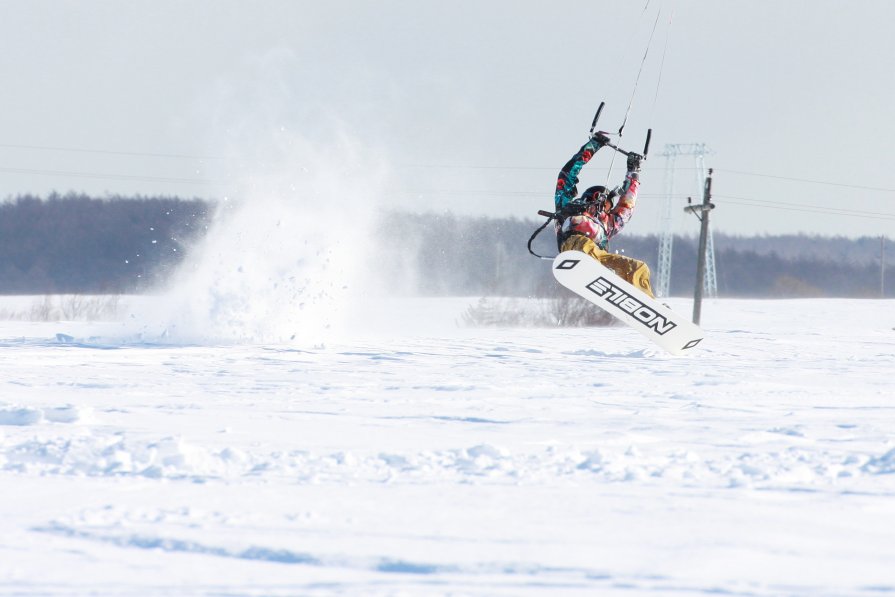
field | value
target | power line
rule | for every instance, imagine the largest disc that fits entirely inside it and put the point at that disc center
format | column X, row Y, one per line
column 110, row 176
column 734, row 200
column 657, row 169
column 432, row 166
column 485, row 167
column 767, row 204
column 746, row 201
column 180, row 180
column 495, row 167
column 111, row 152
column 821, row 182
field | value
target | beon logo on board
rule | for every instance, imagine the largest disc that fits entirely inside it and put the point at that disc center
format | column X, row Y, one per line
column 624, row 301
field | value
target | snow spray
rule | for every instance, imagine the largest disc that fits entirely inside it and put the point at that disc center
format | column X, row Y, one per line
column 284, row 256
column 288, row 251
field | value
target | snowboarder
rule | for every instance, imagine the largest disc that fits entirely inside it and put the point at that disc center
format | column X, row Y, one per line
column 586, row 223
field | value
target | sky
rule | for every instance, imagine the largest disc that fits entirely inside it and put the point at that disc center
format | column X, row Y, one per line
column 469, row 107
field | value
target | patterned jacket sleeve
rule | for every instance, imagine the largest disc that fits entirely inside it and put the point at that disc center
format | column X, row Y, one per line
column 566, row 183
column 624, row 208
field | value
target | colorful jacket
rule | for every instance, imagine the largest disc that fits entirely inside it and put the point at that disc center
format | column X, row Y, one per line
column 567, row 182
column 603, row 226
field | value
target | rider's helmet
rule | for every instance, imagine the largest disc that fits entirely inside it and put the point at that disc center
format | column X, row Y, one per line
column 599, row 198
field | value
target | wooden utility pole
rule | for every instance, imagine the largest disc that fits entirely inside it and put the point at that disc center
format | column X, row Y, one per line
column 882, row 266
column 701, row 212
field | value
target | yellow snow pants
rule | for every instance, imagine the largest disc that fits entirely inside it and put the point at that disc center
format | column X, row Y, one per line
column 633, row 270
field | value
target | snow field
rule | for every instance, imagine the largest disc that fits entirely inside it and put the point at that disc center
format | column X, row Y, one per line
column 432, row 459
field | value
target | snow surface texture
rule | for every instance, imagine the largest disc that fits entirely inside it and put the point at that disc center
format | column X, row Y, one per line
column 433, row 459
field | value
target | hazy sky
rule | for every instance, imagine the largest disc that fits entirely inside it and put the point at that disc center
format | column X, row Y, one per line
column 472, row 105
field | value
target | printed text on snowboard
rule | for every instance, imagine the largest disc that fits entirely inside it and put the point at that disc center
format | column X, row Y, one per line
column 615, row 295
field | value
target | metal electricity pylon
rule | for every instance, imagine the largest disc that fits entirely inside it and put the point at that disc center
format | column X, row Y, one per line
column 662, row 284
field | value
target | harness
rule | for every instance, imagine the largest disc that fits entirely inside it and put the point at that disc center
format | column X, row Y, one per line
column 574, row 207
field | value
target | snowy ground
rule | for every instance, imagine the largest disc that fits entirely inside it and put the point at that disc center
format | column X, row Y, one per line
column 432, row 459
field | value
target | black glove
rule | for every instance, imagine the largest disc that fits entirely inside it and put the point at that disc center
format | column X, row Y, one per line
column 634, row 160
column 600, row 137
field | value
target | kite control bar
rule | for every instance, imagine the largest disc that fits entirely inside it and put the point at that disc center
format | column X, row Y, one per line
column 593, row 125
column 649, row 134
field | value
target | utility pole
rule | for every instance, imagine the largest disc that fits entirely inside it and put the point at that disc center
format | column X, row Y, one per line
column 882, row 266
column 701, row 212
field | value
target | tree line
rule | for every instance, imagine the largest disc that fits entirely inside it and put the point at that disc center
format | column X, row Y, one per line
column 75, row 244
column 495, row 260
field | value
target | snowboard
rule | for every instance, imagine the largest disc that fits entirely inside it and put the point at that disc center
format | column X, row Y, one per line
column 593, row 281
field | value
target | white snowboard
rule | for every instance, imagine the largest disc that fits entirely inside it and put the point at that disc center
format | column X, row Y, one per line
column 590, row 279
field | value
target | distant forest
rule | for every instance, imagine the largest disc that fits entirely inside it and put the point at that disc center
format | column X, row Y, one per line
column 496, row 260
column 76, row 244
